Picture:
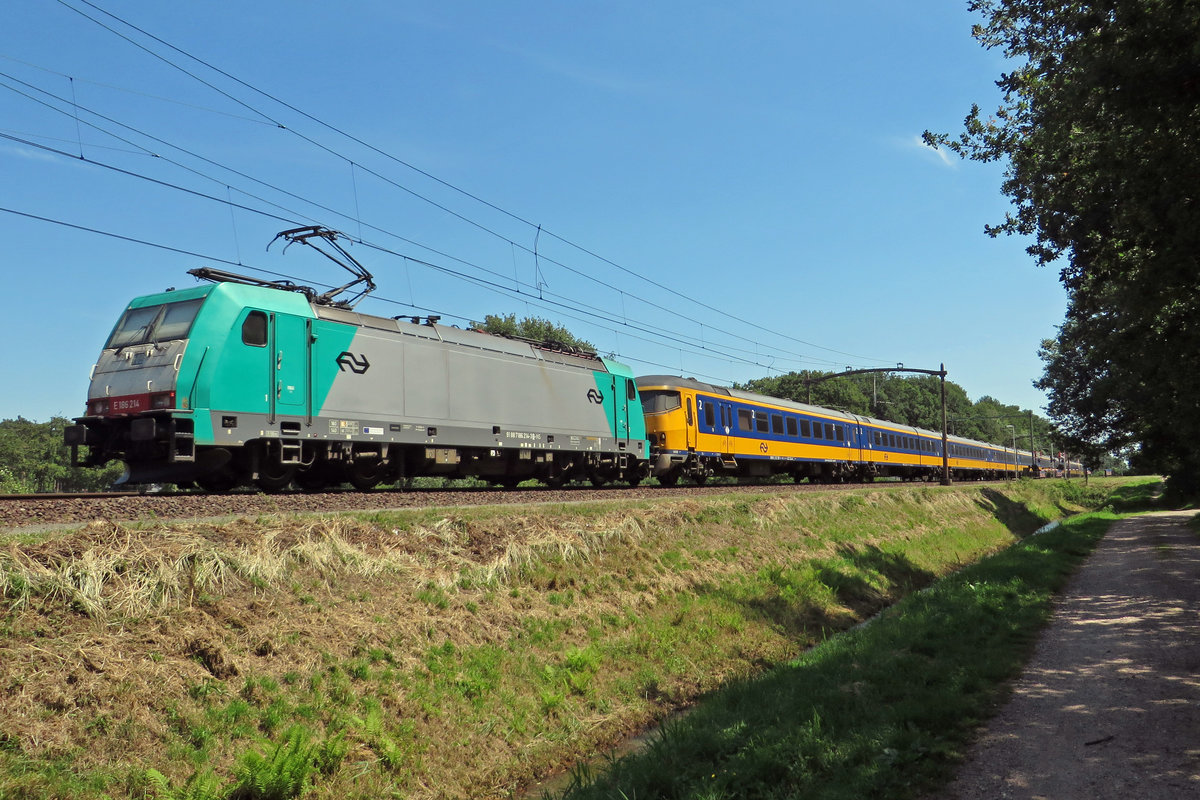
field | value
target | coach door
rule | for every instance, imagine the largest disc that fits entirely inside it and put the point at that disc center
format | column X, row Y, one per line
column 726, row 424
column 689, row 420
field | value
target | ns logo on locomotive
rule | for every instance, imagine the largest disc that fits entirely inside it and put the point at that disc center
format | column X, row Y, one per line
column 241, row 381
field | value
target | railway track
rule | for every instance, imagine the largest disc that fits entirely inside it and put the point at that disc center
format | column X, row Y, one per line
column 21, row 511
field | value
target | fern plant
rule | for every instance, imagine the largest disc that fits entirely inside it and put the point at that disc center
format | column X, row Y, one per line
column 203, row 785
column 329, row 754
column 284, row 774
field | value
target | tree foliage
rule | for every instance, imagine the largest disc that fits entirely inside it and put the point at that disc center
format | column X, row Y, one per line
column 535, row 328
column 1099, row 131
column 913, row 401
column 33, row 458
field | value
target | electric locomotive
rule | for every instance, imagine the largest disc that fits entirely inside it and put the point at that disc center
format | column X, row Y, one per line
column 247, row 381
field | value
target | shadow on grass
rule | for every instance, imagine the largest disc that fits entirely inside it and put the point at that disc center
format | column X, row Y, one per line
column 1137, row 497
column 882, row 711
column 1012, row 514
column 829, row 595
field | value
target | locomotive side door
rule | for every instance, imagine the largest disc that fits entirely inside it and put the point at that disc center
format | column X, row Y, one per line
column 620, row 389
column 289, row 364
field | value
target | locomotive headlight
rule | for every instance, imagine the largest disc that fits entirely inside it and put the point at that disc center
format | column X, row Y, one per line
column 98, row 406
column 162, row 400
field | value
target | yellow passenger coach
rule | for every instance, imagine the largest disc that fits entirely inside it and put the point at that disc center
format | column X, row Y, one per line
column 697, row 430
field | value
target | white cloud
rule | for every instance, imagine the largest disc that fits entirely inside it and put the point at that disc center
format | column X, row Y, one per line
column 942, row 157
column 28, row 154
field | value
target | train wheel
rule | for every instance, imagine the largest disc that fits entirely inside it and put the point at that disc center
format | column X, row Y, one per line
column 669, row 478
column 365, row 475
column 275, row 477
column 700, row 478
column 599, row 476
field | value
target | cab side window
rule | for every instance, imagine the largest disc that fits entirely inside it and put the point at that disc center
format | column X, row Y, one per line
column 254, row 329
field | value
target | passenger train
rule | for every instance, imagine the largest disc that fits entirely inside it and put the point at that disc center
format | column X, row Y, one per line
column 240, row 381
column 697, row 430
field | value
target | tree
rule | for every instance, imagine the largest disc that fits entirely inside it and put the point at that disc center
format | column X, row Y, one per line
column 1098, row 126
column 915, row 401
column 33, row 458
column 535, row 328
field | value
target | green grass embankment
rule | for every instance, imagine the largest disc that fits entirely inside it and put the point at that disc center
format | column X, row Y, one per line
column 468, row 653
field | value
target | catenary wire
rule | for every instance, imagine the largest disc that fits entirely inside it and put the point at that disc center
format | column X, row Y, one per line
column 422, row 172
column 264, row 271
column 795, row 357
column 595, row 311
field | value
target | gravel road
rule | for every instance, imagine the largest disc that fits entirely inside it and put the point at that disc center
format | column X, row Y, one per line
column 1109, row 707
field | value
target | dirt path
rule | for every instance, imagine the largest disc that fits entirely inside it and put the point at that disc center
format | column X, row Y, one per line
column 1109, row 706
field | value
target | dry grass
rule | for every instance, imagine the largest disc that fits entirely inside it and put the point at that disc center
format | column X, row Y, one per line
column 520, row 636
column 108, row 570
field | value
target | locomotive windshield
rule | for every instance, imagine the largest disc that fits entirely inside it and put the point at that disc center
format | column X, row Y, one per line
column 154, row 323
column 657, row 401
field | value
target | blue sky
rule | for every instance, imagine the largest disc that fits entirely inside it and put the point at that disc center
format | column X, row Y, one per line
column 740, row 189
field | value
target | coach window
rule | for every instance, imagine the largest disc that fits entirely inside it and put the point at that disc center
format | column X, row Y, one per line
column 791, row 426
column 745, row 420
column 760, row 421
column 841, row 433
column 829, row 430
column 709, row 418
column 805, row 429
column 777, row 424
column 254, row 329
column 816, row 430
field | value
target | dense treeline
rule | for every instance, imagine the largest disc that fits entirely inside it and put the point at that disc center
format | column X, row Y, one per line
column 1097, row 129
column 913, row 401
column 33, row 458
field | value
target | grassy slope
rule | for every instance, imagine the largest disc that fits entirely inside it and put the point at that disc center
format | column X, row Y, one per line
column 385, row 647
